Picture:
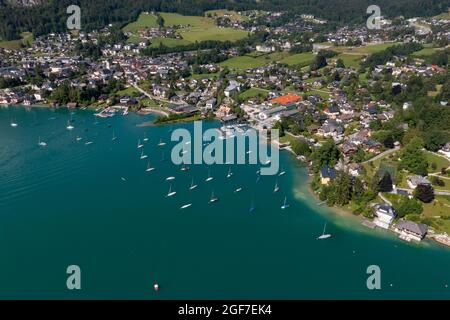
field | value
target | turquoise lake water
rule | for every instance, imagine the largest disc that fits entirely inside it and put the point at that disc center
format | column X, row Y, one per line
column 67, row 204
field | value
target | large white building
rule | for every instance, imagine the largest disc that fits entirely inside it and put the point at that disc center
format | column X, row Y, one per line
column 385, row 215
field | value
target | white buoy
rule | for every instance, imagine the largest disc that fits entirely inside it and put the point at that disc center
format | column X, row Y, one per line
column 156, row 287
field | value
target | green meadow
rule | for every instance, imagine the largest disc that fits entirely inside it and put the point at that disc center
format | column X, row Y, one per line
column 201, row 28
column 145, row 20
column 27, row 39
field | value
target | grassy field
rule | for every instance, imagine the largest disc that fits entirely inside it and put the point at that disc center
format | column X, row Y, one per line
column 201, row 28
column 130, row 91
column 440, row 162
column 425, row 52
column 144, row 21
column 350, row 60
column 253, row 92
column 168, row 42
column 300, row 58
column 255, row 60
column 27, row 39
column 233, row 15
column 204, row 75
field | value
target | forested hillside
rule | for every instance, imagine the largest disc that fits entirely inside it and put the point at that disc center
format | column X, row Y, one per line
column 50, row 16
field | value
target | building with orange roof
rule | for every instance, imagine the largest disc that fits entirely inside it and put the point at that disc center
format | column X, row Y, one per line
column 286, row 99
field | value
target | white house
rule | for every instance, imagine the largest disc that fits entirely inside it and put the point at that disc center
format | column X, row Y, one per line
column 233, row 87
column 414, row 181
column 385, row 215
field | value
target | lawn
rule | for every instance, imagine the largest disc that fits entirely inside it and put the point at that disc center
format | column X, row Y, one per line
column 168, row 42
column 350, row 60
column 27, row 38
column 363, row 50
column 254, row 60
column 425, row 52
column 440, row 161
column 300, row 58
column 197, row 28
column 130, row 91
column 204, row 75
column 253, row 92
column 145, row 20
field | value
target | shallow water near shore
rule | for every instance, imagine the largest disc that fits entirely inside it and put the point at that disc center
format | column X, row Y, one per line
column 95, row 206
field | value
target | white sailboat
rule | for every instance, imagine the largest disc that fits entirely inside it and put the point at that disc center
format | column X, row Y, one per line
column 285, row 204
column 79, row 138
column 145, row 137
column 276, row 188
column 238, row 190
column 185, row 168
column 143, row 156
column 193, row 186
column 149, row 168
column 171, row 193
column 186, row 206
column 213, row 198
column 170, row 178
column 114, row 138
column 282, row 173
column 69, row 125
column 42, row 143
column 210, row 178
column 324, row 235
column 161, row 143
column 88, row 143
column 230, row 174
column 139, row 145
column 13, row 124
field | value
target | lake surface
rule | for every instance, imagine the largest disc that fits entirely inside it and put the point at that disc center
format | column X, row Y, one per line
column 95, row 206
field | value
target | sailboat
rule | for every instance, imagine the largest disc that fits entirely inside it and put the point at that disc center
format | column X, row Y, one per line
column 149, row 168
column 209, row 177
column 193, row 186
column 324, row 235
column 88, row 143
column 282, row 173
column 114, row 138
column 184, row 168
column 145, row 137
column 186, row 206
column 161, row 143
column 170, row 178
column 285, row 204
column 171, row 193
column 79, row 138
column 230, row 174
column 42, row 143
column 69, row 126
column 238, row 190
column 139, row 145
column 143, row 156
column 276, row 188
column 14, row 124
column 213, row 198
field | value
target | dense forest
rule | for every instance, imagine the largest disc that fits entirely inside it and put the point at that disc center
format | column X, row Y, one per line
column 51, row 15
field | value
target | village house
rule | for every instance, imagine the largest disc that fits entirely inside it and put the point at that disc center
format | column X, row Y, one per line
column 414, row 181
column 327, row 174
column 385, row 215
column 409, row 230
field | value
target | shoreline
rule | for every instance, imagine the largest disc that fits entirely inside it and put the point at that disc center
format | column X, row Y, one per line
column 434, row 238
